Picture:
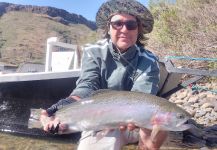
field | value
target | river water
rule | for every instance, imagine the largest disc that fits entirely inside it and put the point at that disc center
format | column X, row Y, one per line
column 15, row 135
column 20, row 142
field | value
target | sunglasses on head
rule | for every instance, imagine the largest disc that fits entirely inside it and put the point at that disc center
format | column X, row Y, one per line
column 130, row 25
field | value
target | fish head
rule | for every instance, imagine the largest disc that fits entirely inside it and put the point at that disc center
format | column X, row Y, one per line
column 178, row 121
column 172, row 121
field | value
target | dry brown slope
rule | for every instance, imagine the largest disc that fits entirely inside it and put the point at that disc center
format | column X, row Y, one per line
column 23, row 36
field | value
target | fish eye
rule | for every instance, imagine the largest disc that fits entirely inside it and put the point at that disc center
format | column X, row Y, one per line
column 180, row 116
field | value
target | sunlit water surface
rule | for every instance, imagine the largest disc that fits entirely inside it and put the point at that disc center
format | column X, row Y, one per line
column 18, row 142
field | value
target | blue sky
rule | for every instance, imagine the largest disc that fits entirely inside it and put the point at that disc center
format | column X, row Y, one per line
column 86, row 8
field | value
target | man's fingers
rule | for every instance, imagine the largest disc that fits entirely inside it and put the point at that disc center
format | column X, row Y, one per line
column 63, row 127
column 46, row 128
column 44, row 112
column 131, row 126
column 122, row 128
column 56, row 122
column 50, row 125
column 145, row 132
column 146, row 141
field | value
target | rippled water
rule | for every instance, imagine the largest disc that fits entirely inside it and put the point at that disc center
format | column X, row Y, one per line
column 14, row 114
column 18, row 142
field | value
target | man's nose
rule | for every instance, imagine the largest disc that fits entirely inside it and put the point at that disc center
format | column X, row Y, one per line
column 124, row 28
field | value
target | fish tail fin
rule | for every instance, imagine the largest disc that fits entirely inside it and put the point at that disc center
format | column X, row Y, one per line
column 34, row 119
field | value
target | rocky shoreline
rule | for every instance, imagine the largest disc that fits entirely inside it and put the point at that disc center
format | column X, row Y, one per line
column 202, row 105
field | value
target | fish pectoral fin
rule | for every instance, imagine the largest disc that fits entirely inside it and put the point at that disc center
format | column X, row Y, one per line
column 96, row 136
column 155, row 131
column 100, row 134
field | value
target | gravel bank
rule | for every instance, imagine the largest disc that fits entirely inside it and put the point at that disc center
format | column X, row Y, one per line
column 202, row 104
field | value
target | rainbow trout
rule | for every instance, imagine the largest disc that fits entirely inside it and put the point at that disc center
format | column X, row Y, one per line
column 107, row 109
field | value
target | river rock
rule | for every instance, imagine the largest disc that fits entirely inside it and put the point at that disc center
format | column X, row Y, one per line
column 207, row 105
column 202, row 105
column 182, row 95
column 200, row 113
column 193, row 100
column 179, row 102
column 215, row 108
column 202, row 95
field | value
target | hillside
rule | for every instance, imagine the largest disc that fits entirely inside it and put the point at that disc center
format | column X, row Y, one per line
column 23, row 34
column 184, row 28
column 59, row 15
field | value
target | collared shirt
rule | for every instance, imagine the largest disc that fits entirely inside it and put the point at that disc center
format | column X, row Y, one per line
column 103, row 67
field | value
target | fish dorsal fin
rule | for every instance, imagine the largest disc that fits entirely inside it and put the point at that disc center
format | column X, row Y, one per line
column 101, row 91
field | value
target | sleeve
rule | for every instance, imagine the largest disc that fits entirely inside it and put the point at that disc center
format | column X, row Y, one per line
column 89, row 79
column 147, row 81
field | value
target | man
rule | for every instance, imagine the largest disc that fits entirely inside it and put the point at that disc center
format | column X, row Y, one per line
column 118, row 62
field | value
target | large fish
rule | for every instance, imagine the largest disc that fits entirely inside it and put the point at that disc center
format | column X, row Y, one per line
column 107, row 109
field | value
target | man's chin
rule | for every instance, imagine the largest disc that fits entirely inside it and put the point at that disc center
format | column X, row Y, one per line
column 123, row 46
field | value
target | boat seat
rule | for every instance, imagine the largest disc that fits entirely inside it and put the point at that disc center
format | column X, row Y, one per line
column 168, row 81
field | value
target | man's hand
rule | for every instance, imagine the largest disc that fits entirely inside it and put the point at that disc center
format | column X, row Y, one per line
column 51, row 124
column 129, row 127
column 147, row 143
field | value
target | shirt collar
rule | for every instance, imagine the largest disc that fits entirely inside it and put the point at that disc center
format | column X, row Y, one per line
column 125, row 57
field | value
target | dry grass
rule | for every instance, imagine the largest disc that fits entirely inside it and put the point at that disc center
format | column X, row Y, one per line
column 187, row 28
column 23, row 36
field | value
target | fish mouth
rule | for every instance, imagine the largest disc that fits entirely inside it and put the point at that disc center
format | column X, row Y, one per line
column 182, row 123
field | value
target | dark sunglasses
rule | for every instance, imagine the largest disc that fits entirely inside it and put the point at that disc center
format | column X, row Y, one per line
column 130, row 25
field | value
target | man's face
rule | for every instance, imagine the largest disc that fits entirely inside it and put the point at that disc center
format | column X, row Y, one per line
column 123, row 31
